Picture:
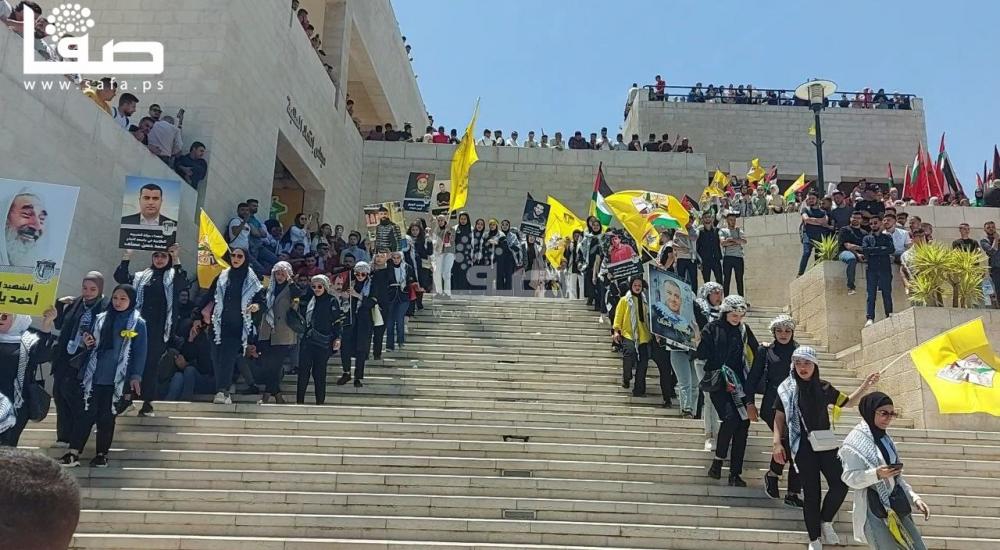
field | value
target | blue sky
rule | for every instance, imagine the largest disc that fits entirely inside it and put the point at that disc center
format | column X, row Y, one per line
column 566, row 65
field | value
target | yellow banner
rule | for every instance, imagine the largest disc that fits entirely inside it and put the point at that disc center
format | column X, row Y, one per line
column 559, row 227
column 461, row 163
column 211, row 250
column 960, row 367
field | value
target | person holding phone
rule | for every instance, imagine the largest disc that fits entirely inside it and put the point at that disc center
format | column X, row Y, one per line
column 883, row 500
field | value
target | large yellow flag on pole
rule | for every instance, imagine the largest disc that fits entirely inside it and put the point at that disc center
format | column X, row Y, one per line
column 561, row 224
column 465, row 156
column 961, row 367
column 211, row 250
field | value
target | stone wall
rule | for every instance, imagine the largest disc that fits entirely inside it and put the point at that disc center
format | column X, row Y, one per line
column 61, row 137
column 857, row 142
column 499, row 181
column 891, row 339
column 773, row 249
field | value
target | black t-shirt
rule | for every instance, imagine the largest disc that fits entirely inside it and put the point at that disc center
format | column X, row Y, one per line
column 814, row 231
column 969, row 245
column 841, row 216
column 831, row 395
column 651, row 146
column 875, row 208
column 850, row 235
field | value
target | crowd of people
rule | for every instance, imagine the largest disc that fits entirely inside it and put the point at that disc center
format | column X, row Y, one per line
column 747, row 94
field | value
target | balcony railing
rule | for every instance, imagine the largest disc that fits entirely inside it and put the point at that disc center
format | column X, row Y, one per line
column 775, row 96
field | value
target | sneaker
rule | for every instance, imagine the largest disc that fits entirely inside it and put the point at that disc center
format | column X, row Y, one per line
column 220, row 398
column 626, row 383
column 771, row 486
column 99, row 461
column 146, row 411
column 344, row 378
column 69, row 460
column 736, row 481
column 829, row 535
column 815, row 545
column 61, row 445
column 358, row 383
column 715, row 471
column 793, row 500
column 667, row 403
column 228, row 399
column 869, row 322
column 687, row 414
column 709, row 444
column 851, row 292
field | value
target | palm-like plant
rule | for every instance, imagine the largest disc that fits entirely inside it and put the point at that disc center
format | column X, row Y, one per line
column 940, row 270
column 969, row 271
column 827, row 248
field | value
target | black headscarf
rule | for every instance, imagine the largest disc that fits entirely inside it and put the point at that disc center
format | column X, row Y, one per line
column 158, row 271
column 812, row 404
column 867, row 407
column 640, row 305
column 108, row 329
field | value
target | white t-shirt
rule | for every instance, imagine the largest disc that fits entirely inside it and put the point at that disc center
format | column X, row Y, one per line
column 120, row 118
column 488, row 142
column 900, row 240
column 243, row 239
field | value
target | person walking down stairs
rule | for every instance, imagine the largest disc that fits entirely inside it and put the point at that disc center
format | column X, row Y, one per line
column 801, row 412
column 356, row 338
column 632, row 333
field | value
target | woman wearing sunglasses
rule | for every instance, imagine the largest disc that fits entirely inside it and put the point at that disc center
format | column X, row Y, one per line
column 883, row 500
column 356, row 338
column 321, row 338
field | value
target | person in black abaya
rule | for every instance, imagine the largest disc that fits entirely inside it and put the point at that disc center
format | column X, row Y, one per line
column 156, row 293
column 356, row 336
column 464, row 257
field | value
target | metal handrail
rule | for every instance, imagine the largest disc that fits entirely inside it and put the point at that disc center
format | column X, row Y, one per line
column 785, row 96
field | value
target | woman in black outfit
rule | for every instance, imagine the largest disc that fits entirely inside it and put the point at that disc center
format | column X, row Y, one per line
column 722, row 348
column 21, row 351
column 156, row 293
column 356, row 337
column 237, row 294
column 320, row 339
column 464, row 253
column 418, row 254
column 589, row 261
column 506, row 254
column 74, row 317
column 276, row 340
column 771, row 364
column 379, row 291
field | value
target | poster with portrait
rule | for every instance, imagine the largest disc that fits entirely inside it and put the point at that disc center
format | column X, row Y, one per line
column 150, row 209
column 375, row 212
column 534, row 218
column 442, row 199
column 38, row 219
column 671, row 308
column 419, row 189
column 623, row 259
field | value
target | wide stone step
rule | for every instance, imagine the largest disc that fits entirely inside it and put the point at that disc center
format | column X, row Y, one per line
column 613, row 535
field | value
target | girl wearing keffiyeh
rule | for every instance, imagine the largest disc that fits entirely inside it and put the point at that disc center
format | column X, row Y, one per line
column 872, row 467
column 322, row 336
column 235, row 295
column 358, row 325
column 632, row 333
column 21, row 351
column 113, row 365
column 801, row 408
column 276, row 339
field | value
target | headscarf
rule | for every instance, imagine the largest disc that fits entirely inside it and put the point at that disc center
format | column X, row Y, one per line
column 733, row 303
column 635, row 308
column 18, row 325
column 246, row 281
column 143, row 278
column 273, row 291
column 782, row 321
column 802, row 399
column 867, row 407
column 711, row 312
column 104, row 328
column 97, row 278
column 107, row 331
column 327, row 287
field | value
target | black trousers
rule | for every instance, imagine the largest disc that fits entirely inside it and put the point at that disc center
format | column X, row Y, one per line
column 710, row 268
column 811, row 464
column 272, row 358
column 378, row 333
column 99, row 413
column 731, row 264
column 68, row 397
column 10, row 437
column 668, row 380
column 312, row 361
column 505, row 276
column 687, row 271
column 635, row 360
column 227, row 359
column 733, row 432
column 794, row 484
column 349, row 350
column 154, row 350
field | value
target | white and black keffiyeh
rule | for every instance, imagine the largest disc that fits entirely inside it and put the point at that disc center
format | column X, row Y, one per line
column 142, row 279
column 251, row 286
column 121, row 366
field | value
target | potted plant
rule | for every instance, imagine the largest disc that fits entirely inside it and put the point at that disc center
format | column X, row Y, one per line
column 941, row 271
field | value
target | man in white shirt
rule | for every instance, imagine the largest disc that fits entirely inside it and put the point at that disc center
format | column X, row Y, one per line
column 238, row 228
column 530, row 142
column 512, row 142
column 164, row 139
column 544, row 144
column 498, row 139
column 632, row 93
column 125, row 109
column 557, row 142
column 900, row 240
column 603, row 143
column 486, row 140
column 620, row 144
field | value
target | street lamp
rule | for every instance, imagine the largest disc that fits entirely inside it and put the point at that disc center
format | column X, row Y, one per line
column 816, row 92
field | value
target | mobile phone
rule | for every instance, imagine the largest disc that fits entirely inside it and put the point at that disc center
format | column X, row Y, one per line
column 896, row 466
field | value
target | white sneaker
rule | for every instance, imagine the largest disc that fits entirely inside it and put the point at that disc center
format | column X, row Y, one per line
column 709, row 444
column 829, row 535
column 869, row 323
column 815, row 545
column 228, row 400
column 851, row 292
column 61, row 445
column 220, row 399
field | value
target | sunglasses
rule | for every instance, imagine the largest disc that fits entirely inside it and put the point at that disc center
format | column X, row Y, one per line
column 888, row 414
column 361, row 274
column 318, row 287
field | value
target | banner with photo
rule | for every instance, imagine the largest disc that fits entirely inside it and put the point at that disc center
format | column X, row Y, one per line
column 623, row 259
column 38, row 219
column 442, row 199
column 671, row 308
column 394, row 209
column 419, row 188
column 534, row 218
column 150, row 210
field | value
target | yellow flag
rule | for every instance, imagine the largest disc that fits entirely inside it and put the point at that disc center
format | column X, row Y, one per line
column 560, row 226
column 644, row 213
column 211, row 249
column 812, row 129
column 756, row 173
column 717, row 187
column 961, row 367
column 465, row 156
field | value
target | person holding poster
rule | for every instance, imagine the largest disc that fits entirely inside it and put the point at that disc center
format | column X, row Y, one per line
column 672, row 321
column 37, row 222
column 156, row 288
column 631, row 331
column 534, row 218
column 22, row 350
column 156, row 207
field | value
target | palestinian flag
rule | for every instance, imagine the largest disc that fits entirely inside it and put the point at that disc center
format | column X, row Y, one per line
column 795, row 187
column 946, row 172
column 598, row 206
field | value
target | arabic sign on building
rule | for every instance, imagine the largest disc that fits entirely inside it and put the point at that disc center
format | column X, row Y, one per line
column 295, row 119
column 38, row 219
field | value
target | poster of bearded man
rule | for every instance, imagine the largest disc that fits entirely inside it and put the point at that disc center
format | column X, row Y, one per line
column 37, row 222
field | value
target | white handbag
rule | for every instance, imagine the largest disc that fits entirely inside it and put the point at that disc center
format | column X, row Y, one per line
column 377, row 316
column 821, row 440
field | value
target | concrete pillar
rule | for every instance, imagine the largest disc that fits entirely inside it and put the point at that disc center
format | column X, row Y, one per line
column 337, row 29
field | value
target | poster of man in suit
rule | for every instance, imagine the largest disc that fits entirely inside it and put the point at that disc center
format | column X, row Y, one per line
column 150, row 208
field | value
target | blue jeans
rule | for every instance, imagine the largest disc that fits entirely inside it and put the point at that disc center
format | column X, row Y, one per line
column 879, row 280
column 852, row 266
column 185, row 384
column 807, row 250
column 395, row 332
column 687, row 385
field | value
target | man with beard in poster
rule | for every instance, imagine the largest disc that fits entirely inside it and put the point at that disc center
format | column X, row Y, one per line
column 24, row 229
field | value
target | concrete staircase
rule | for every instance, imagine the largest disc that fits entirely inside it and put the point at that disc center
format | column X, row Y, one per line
column 503, row 425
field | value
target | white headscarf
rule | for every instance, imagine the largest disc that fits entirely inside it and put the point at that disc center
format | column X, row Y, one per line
column 16, row 330
column 287, row 269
